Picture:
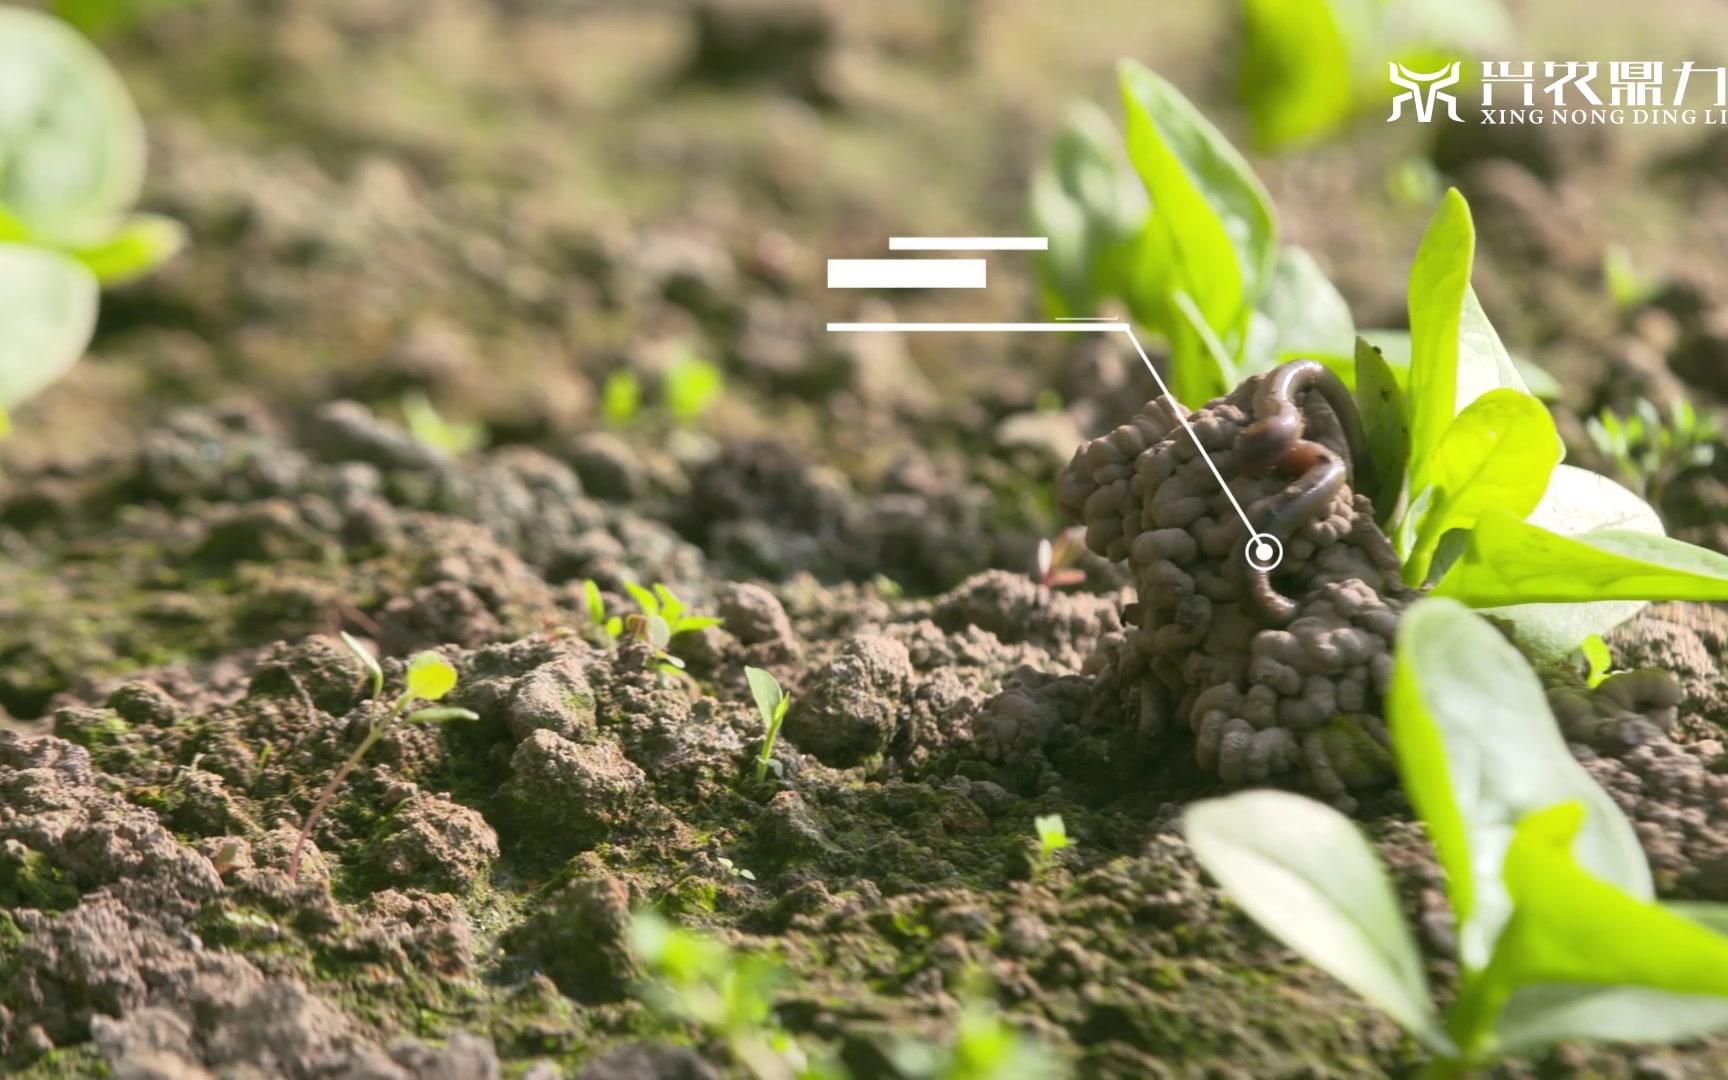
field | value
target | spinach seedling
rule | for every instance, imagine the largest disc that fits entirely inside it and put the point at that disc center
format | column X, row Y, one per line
column 609, row 625
column 696, row 980
column 73, row 147
column 1052, row 838
column 1598, row 661
column 430, row 677
column 771, row 703
column 692, row 385
column 433, row 428
column 1559, row 935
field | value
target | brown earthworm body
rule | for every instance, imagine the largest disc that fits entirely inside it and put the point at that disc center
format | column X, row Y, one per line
column 1276, row 443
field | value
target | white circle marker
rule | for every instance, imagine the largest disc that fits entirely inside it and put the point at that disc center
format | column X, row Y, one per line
column 1264, row 552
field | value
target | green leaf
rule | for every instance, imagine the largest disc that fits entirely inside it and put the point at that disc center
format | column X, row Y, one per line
column 1577, row 502
column 671, row 608
column 1570, row 926
column 621, row 398
column 430, row 677
column 47, row 315
column 647, row 601
column 692, row 385
column 141, row 243
column 1200, row 366
column 368, row 660
column 1088, row 201
column 1498, row 453
column 1385, row 424
column 1305, row 874
column 71, row 142
column 1211, row 219
column 1439, row 280
column 691, row 623
column 770, row 699
column 1599, row 662
column 1514, row 562
column 1310, row 315
column 1478, row 749
column 1296, row 70
column 441, row 714
column 660, row 636
column 596, row 602
column 1540, row 1015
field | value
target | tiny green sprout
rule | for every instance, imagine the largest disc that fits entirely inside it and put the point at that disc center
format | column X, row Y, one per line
column 429, row 426
column 430, row 678
column 621, row 398
column 611, row 626
column 1052, row 838
column 735, row 870
column 1598, row 661
column 1627, row 286
column 692, row 385
column 695, row 980
column 1649, row 450
column 1056, row 559
column 887, row 587
column 771, row 703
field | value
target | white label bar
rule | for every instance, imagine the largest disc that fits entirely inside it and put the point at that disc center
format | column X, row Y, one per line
column 905, row 273
column 968, row 243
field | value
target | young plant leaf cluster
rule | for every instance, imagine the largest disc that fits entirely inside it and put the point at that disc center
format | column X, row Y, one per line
column 1194, row 254
column 1650, row 450
column 688, row 389
column 429, row 679
column 1559, row 935
column 71, row 167
column 661, row 617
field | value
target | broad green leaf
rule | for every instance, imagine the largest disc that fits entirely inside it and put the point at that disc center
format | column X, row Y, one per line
column 1304, row 873
column 430, row 677
column 1385, row 425
column 47, row 315
column 1570, row 926
column 1296, row 74
column 1483, row 362
column 1309, row 316
column 1513, row 562
column 1540, row 1015
column 1439, row 281
column 141, row 243
column 770, row 699
column 1478, row 749
column 1577, row 502
column 1211, row 219
column 1088, row 201
column 1496, row 454
column 71, row 142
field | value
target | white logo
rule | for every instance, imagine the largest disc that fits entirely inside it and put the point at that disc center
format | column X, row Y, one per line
column 1424, row 90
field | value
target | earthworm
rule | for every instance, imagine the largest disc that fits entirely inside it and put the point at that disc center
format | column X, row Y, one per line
column 1275, row 442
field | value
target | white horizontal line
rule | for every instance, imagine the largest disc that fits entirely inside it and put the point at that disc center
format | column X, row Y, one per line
column 905, row 273
column 930, row 327
column 968, row 243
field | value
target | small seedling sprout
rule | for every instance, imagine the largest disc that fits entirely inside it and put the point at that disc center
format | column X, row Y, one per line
column 611, row 626
column 692, row 385
column 433, row 428
column 1598, row 661
column 1650, row 450
column 1056, row 560
column 1052, row 838
column 621, row 398
column 771, row 703
column 430, row 678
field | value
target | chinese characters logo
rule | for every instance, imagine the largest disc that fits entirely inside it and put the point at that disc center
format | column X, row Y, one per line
column 1638, row 92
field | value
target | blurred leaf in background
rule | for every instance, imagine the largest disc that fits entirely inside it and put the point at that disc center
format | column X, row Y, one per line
column 1309, row 66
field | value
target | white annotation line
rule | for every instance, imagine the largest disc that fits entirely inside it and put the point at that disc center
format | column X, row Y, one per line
column 937, row 327
column 1068, row 326
column 968, row 243
column 905, row 273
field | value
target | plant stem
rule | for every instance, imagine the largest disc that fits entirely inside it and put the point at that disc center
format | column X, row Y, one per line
column 328, row 795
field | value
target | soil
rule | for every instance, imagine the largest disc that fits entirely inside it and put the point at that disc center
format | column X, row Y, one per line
column 500, row 206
